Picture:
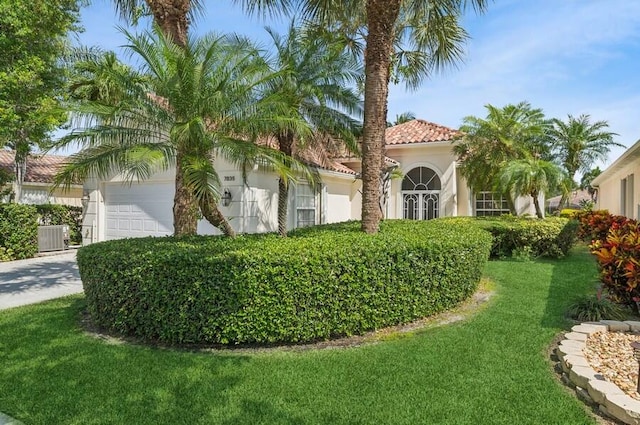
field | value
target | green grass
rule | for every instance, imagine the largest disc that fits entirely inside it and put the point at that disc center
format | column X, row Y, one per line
column 492, row 368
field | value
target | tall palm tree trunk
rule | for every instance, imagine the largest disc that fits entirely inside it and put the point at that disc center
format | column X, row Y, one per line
column 285, row 142
column 536, row 203
column 212, row 214
column 382, row 15
column 283, row 198
column 171, row 17
column 185, row 217
column 511, row 204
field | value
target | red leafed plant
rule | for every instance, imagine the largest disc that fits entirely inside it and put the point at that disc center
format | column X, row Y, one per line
column 595, row 225
column 619, row 259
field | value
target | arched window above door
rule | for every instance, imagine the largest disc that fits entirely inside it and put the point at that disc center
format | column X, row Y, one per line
column 421, row 178
column 421, row 194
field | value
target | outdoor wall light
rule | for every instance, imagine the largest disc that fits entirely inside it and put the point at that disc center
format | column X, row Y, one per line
column 85, row 200
column 226, row 198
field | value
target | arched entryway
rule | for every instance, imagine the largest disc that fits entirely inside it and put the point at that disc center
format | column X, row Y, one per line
column 421, row 194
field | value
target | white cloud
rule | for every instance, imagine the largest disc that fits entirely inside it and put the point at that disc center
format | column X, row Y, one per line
column 566, row 57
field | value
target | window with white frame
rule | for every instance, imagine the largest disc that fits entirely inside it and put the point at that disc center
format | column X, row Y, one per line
column 306, row 205
column 491, row 204
column 626, row 196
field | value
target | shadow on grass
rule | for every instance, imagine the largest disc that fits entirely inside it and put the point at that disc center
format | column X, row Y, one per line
column 575, row 275
column 79, row 379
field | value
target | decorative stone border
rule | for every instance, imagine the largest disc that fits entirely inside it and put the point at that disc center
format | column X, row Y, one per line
column 591, row 386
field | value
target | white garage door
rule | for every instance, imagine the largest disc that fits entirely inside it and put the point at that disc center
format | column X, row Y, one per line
column 143, row 209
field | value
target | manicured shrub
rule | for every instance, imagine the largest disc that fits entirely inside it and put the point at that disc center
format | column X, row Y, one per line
column 318, row 283
column 18, row 232
column 619, row 260
column 523, row 238
column 569, row 213
column 51, row 214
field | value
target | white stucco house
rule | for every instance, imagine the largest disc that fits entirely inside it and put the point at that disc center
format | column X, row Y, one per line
column 617, row 190
column 431, row 187
column 38, row 180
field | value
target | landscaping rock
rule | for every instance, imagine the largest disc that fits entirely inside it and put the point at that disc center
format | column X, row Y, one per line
column 576, row 336
column 600, row 390
column 624, row 408
column 567, row 381
column 584, row 395
column 635, row 326
column 616, row 326
column 581, row 375
column 590, row 328
column 571, row 360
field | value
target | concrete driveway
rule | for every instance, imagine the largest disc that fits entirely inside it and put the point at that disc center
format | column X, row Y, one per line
column 38, row 279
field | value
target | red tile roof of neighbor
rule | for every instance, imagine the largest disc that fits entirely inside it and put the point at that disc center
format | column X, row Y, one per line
column 419, row 131
column 40, row 168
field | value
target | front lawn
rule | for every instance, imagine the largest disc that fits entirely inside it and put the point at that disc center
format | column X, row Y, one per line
column 492, row 368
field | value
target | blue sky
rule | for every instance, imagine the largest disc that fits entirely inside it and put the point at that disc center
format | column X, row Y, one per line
column 566, row 57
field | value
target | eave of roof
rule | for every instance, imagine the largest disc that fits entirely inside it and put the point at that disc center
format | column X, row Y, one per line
column 40, row 168
column 630, row 155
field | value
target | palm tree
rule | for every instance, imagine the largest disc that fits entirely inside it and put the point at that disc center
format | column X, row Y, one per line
column 530, row 176
column 488, row 144
column 580, row 143
column 431, row 27
column 172, row 16
column 198, row 100
column 312, row 78
column 99, row 76
column 402, row 118
column 587, row 178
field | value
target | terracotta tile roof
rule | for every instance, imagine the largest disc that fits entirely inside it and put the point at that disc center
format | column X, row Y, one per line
column 318, row 155
column 40, row 168
column 419, row 131
column 574, row 199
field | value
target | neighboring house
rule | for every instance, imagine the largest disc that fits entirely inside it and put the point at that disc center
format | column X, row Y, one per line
column 38, row 180
column 431, row 187
column 575, row 199
column 617, row 190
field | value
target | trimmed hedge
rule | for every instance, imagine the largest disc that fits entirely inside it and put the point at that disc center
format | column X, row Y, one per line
column 316, row 284
column 18, row 232
column 52, row 214
column 517, row 236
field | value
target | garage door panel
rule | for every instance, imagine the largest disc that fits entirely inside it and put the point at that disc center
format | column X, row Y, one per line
column 138, row 210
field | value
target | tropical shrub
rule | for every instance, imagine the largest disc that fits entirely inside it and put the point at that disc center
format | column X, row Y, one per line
column 595, row 225
column 18, row 232
column 316, row 284
column 593, row 308
column 618, row 256
column 523, row 238
column 51, row 214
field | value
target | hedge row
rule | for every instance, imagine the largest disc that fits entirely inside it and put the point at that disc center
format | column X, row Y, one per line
column 514, row 236
column 18, row 232
column 320, row 283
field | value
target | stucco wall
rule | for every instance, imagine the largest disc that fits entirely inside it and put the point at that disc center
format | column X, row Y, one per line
column 609, row 191
column 439, row 158
column 254, row 204
column 40, row 194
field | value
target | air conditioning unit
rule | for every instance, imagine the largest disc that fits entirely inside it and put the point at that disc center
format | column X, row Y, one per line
column 53, row 238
